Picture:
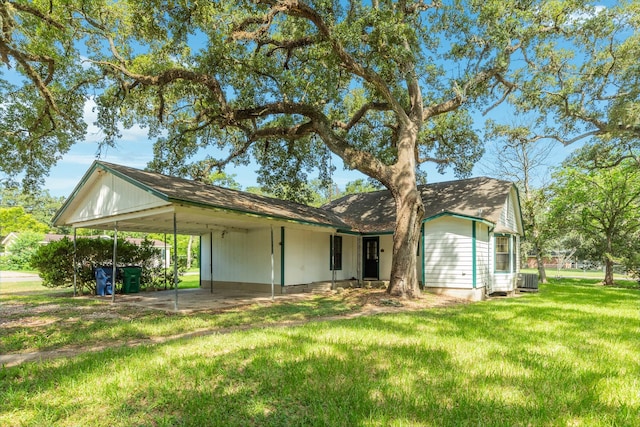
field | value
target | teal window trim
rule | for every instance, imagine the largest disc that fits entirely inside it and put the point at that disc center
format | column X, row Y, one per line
column 509, row 253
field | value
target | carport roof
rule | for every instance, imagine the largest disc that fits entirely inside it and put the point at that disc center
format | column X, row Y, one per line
column 183, row 192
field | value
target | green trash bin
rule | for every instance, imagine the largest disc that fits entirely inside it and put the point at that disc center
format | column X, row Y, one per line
column 131, row 279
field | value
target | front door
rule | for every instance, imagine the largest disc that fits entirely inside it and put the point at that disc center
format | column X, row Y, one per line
column 371, row 254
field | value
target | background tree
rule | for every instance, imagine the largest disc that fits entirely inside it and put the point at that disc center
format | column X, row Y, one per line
column 15, row 219
column 521, row 156
column 360, row 186
column 19, row 253
column 386, row 86
column 223, row 179
column 39, row 203
column 602, row 205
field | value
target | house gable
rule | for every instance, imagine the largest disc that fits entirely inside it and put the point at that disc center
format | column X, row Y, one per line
column 102, row 194
column 510, row 219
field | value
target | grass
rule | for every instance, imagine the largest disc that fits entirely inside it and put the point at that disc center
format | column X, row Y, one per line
column 564, row 356
column 37, row 321
column 576, row 273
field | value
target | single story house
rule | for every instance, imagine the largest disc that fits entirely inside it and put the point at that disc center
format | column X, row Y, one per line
column 468, row 248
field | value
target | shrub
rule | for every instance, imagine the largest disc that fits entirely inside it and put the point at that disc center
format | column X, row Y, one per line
column 54, row 261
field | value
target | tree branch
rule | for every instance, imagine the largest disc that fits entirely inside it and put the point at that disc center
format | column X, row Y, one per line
column 35, row 12
column 170, row 76
column 377, row 106
column 300, row 9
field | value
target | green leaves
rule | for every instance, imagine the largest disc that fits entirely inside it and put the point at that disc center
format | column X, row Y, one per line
column 601, row 204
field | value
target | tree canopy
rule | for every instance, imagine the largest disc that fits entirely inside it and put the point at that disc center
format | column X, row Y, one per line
column 602, row 206
column 586, row 83
column 386, row 86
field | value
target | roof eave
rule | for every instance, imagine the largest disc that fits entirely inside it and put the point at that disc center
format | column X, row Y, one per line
column 257, row 214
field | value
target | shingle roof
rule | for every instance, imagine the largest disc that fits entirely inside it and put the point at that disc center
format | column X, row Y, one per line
column 192, row 192
column 481, row 198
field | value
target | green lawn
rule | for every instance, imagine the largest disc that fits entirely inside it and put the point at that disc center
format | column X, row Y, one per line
column 576, row 274
column 566, row 356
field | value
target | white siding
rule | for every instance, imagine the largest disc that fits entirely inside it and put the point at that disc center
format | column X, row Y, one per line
column 483, row 256
column 508, row 217
column 110, row 195
column 308, row 253
column 306, row 257
column 386, row 256
column 448, row 249
column 245, row 257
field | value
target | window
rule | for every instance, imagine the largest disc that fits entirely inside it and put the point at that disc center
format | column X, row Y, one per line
column 335, row 255
column 503, row 252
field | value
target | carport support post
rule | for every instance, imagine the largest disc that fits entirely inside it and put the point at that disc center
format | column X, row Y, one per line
column 175, row 259
column 75, row 262
column 115, row 254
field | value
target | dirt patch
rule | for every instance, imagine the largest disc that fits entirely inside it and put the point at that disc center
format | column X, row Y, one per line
column 370, row 299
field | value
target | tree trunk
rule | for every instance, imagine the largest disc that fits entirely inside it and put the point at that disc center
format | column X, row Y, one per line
column 608, row 262
column 608, row 272
column 409, row 215
column 189, row 252
column 542, row 273
column 404, row 274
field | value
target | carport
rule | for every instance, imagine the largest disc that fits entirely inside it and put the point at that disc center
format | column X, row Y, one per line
column 118, row 198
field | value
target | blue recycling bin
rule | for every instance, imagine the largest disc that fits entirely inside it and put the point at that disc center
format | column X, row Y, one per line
column 104, row 284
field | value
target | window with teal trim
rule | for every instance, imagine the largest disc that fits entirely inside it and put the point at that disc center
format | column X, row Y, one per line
column 335, row 256
column 503, row 254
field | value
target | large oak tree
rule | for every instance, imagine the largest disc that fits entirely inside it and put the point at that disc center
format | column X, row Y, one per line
column 384, row 85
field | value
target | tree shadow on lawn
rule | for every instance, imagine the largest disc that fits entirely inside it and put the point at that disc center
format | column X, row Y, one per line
column 439, row 367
